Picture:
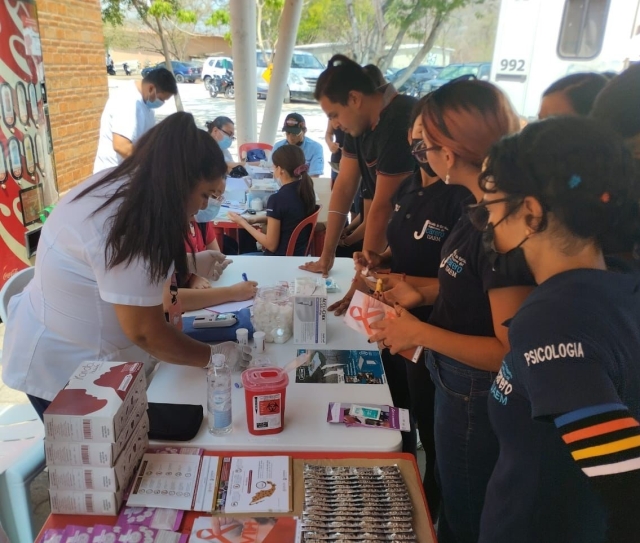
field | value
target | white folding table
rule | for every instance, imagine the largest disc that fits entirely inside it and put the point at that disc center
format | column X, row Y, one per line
column 306, row 427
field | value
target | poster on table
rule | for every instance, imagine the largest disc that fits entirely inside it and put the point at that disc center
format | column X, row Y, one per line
column 341, row 367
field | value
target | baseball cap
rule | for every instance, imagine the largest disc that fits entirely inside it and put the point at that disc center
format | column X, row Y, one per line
column 294, row 123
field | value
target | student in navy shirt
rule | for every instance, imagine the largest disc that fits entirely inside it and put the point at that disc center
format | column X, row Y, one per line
column 425, row 211
column 288, row 207
column 465, row 336
column 566, row 403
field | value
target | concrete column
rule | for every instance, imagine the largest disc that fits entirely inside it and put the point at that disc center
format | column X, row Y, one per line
column 287, row 32
column 243, row 49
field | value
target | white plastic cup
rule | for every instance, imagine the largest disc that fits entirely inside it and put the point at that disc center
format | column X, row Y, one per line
column 242, row 335
column 256, row 204
column 258, row 340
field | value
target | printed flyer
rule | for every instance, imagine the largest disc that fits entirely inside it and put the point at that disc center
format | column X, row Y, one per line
column 341, row 367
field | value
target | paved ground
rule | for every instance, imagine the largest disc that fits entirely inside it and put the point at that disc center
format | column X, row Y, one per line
column 204, row 108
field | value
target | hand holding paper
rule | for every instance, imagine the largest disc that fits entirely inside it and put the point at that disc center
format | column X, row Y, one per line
column 382, row 323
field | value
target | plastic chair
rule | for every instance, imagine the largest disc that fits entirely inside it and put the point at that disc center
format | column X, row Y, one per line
column 21, row 460
column 15, row 285
column 311, row 221
column 242, row 150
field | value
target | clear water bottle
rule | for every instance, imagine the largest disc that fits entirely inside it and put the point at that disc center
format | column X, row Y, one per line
column 219, row 396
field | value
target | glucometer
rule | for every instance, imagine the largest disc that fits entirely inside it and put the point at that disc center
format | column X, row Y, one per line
column 221, row 320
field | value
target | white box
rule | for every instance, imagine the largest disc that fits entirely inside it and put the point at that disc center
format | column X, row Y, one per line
column 96, row 402
column 64, row 502
column 71, row 453
column 104, row 479
column 310, row 312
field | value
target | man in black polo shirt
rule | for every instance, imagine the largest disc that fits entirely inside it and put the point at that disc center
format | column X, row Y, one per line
column 375, row 122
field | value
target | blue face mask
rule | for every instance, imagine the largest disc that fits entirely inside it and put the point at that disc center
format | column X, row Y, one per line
column 154, row 104
column 225, row 142
column 210, row 213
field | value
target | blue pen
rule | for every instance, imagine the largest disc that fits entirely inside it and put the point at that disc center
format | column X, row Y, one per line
column 244, row 277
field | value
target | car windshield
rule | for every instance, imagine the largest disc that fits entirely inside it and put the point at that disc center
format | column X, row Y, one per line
column 457, row 70
column 308, row 62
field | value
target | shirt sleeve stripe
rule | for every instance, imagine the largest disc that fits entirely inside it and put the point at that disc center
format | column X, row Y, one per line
column 599, row 429
column 616, row 446
column 632, row 464
column 348, row 154
column 394, row 174
column 586, row 412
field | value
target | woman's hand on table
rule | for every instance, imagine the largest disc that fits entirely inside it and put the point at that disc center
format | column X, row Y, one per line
column 396, row 334
column 322, row 266
column 245, row 290
column 197, row 282
column 404, row 294
column 340, row 307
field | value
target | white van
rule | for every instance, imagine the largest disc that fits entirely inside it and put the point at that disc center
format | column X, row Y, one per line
column 215, row 66
column 540, row 41
column 303, row 75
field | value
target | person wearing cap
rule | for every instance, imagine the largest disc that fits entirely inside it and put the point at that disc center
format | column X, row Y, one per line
column 295, row 130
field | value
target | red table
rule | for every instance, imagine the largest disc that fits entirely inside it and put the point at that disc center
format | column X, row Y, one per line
column 61, row 521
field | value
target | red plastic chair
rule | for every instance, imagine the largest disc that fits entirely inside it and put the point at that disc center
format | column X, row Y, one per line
column 242, row 150
column 311, row 221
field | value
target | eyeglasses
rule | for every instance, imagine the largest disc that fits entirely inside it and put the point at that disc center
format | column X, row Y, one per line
column 219, row 199
column 420, row 150
column 479, row 214
column 227, row 133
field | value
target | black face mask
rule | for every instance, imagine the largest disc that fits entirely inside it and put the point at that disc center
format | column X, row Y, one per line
column 512, row 264
column 424, row 166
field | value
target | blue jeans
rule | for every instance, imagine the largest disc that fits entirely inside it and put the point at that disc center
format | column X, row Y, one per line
column 466, row 447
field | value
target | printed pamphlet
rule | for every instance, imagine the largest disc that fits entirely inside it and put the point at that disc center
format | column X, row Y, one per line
column 245, row 530
column 383, row 417
column 341, row 367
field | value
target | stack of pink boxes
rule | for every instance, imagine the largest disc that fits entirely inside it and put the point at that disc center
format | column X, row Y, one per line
column 96, row 431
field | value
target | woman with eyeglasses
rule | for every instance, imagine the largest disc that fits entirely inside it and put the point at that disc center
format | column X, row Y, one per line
column 465, row 335
column 223, row 130
column 104, row 256
column 425, row 212
column 566, row 402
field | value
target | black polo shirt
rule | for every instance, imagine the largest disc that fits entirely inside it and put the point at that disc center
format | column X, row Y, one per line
column 384, row 149
column 465, row 277
column 422, row 219
column 286, row 206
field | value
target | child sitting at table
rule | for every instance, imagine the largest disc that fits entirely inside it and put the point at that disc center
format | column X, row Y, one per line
column 293, row 203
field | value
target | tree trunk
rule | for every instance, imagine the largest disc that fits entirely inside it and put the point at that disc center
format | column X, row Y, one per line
column 424, row 50
column 167, row 60
column 358, row 52
column 397, row 42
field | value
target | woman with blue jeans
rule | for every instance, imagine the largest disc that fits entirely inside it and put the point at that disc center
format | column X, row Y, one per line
column 465, row 333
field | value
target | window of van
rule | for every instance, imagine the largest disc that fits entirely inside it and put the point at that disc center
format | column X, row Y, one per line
column 298, row 60
column 582, row 29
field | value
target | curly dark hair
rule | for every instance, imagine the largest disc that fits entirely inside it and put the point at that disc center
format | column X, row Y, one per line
column 582, row 174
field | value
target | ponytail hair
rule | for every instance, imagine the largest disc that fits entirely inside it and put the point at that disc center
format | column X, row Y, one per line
column 291, row 159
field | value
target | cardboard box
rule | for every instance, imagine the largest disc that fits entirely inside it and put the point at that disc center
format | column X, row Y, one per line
column 71, row 453
column 103, row 478
column 65, row 502
column 96, row 403
column 310, row 312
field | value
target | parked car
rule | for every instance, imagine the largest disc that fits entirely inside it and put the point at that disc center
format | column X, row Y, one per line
column 480, row 70
column 215, row 66
column 184, row 71
column 303, row 75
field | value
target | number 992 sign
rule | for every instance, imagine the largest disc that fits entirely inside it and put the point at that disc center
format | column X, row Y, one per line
column 512, row 65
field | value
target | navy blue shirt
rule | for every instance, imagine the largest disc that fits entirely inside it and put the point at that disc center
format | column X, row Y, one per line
column 421, row 221
column 383, row 149
column 286, row 206
column 574, row 344
column 465, row 277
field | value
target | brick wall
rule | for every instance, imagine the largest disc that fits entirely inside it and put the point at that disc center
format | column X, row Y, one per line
column 77, row 88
